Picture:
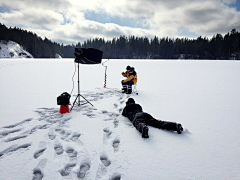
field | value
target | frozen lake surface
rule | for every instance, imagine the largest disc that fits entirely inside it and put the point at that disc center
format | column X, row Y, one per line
column 37, row 142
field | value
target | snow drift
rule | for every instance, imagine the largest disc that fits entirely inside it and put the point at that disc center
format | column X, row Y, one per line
column 10, row 49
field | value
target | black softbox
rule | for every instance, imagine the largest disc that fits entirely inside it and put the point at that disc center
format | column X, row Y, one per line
column 88, row 56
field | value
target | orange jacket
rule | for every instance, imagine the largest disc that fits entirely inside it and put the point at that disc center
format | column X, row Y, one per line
column 131, row 76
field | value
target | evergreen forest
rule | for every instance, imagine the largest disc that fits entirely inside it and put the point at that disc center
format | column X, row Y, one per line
column 218, row 47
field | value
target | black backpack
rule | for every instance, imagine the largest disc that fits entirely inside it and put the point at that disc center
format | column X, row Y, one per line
column 63, row 99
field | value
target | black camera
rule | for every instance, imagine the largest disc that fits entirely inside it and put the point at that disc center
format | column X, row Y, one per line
column 63, row 99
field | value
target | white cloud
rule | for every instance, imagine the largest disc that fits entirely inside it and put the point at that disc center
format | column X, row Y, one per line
column 89, row 30
column 200, row 17
column 65, row 19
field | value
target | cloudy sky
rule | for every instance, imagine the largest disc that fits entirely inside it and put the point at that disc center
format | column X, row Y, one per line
column 72, row 21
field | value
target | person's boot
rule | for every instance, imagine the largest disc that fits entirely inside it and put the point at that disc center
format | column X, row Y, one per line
column 124, row 89
column 142, row 128
column 179, row 128
column 145, row 132
column 129, row 89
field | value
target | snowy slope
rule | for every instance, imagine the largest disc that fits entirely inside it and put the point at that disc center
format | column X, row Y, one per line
column 10, row 49
column 37, row 142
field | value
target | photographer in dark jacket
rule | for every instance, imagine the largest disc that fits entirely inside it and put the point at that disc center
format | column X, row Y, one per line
column 141, row 119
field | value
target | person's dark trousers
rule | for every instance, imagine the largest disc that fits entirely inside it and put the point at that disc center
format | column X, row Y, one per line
column 127, row 86
column 140, row 124
column 147, row 119
column 139, row 118
column 162, row 124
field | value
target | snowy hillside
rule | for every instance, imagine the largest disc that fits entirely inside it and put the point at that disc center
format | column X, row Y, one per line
column 11, row 49
column 98, row 143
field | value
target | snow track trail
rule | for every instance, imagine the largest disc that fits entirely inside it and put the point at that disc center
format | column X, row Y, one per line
column 62, row 141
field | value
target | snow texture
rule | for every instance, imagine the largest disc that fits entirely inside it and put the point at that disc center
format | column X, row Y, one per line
column 37, row 142
column 10, row 49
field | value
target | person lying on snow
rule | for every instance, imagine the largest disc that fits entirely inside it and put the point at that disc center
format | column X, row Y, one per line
column 140, row 119
column 131, row 76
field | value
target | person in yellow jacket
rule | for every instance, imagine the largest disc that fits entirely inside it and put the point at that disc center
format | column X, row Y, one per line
column 131, row 76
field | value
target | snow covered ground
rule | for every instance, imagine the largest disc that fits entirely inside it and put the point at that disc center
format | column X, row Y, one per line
column 37, row 142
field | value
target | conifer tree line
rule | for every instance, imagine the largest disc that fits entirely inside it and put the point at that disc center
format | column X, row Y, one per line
column 132, row 47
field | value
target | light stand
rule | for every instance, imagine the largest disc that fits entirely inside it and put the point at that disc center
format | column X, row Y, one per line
column 78, row 96
column 86, row 56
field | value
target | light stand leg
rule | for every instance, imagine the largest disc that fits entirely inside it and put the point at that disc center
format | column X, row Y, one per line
column 74, row 102
column 78, row 96
column 78, row 87
column 85, row 100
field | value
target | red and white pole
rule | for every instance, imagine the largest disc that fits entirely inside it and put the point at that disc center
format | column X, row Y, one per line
column 105, row 80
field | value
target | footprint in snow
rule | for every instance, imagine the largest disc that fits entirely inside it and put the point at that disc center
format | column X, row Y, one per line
column 116, row 122
column 67, row 169
column 120, row 98
column 17, row 124
column 14, row 148
column 15, row 138
column 58, row 149
column 115, row 144
column 90, row 114
column 51, row 134
column 116, row 177
column 66, row 134
column 59, row 130
column 34, row 129
column 37, row 172
column 104, row 111
column 107, row 119
column 45, row 126
column 41, row 148
column 71, row 152
column 107, row 131
column 113, row 115
column 83, row 170
column 92, row 108
column 105, row 160
column 39, row 153
column 121, row 102
column 120, row 110
column 6, row 133
column 75, row 136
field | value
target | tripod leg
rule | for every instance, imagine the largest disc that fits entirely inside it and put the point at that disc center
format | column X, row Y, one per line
column 75, row 101
column 86, row 100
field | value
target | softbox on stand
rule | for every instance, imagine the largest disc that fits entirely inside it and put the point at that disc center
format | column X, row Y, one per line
column 86, row 56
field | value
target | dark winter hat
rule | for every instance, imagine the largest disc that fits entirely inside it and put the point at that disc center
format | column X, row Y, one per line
column 132, row 69
column 130, row 101
column 128, row 68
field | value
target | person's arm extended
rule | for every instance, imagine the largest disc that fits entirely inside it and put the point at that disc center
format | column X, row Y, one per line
column 124, row 74
column 129, row 78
